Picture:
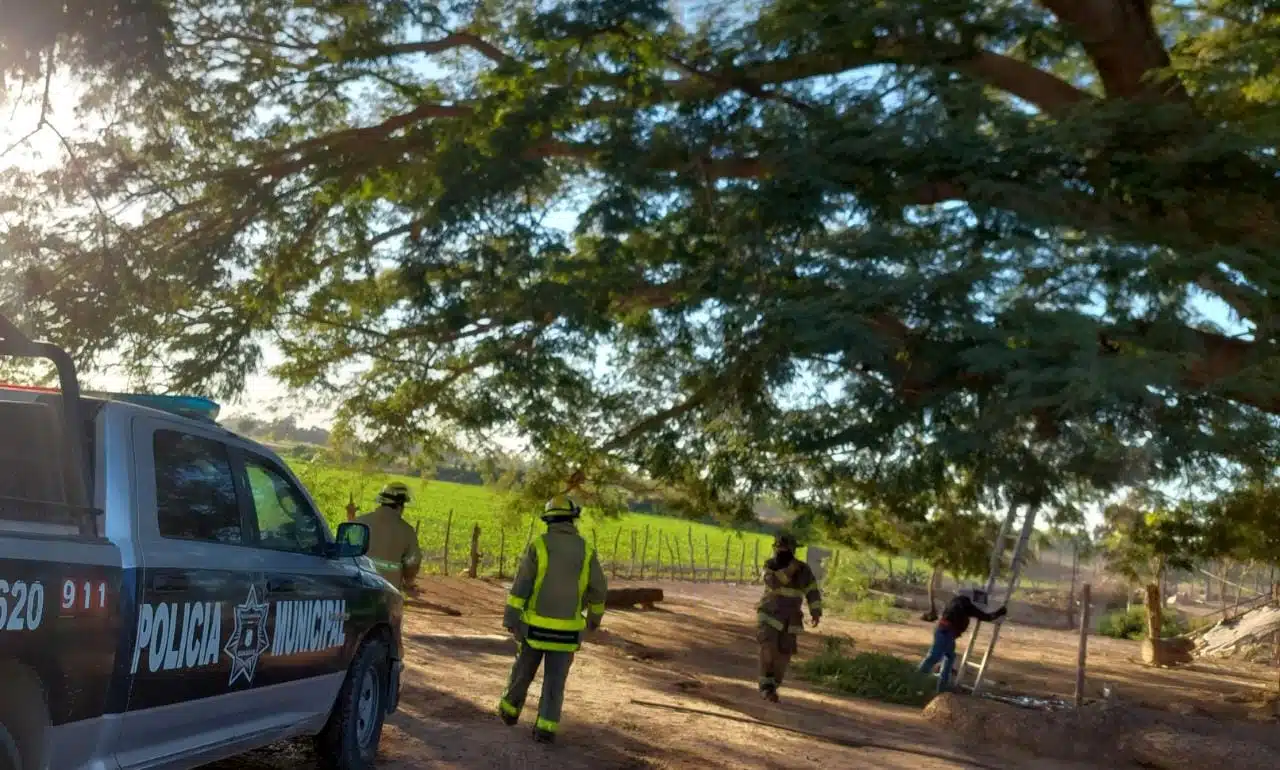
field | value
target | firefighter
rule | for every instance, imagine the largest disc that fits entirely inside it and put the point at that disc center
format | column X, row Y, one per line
column 789, row 583
column 393, row 544
column 558, row 579
column 955, row 619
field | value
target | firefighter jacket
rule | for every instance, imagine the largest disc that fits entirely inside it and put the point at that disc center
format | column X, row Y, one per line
column 393, row 545
column 559, row 578
column 786, row 590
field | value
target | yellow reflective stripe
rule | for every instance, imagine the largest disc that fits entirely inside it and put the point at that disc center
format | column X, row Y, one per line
column 552, row 646
column 547, row 724
column 584, row 575
column 540, row 556
column 815, row 606
column 596, row 609
column 515, row 601
column 555, row 624
column 771, row 621
column 505, row 707
column 781, row 575
column 793, row 593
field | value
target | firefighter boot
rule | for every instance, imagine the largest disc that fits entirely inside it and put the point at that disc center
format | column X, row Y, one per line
column 543, row 736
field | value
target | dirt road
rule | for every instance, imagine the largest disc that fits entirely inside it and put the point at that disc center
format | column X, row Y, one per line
column 697, row 652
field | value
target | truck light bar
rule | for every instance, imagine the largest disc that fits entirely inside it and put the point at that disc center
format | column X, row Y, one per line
column 193, row 407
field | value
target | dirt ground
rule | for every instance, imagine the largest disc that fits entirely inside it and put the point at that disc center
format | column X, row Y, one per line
column 698, row 652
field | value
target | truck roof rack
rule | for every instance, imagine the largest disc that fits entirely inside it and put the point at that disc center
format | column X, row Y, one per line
column 15, row 343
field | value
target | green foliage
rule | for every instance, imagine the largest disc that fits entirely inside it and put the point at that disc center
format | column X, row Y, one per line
column 847, row 252
column 1145, row 535
column 1132, row 624
column 873, row 675
column 845, row 593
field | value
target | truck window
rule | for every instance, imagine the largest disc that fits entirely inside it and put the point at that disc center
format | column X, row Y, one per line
column 285, row 519
column 195, row 489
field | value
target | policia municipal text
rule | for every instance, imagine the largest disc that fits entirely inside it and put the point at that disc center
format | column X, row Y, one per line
column 559, row 579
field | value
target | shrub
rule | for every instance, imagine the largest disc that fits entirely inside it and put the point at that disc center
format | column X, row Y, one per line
column 873, row 675
column 1133, row 624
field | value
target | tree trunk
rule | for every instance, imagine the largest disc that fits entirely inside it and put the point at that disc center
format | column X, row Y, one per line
column 1151, row 648
column 935, row 583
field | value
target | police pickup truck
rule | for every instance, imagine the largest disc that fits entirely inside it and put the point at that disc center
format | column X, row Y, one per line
column 169, row 595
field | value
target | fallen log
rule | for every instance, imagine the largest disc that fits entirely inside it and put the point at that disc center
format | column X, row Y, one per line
column 626, row 598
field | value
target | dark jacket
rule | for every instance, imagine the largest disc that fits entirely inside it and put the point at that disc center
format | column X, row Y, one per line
column 785, row 592
column 955, row 618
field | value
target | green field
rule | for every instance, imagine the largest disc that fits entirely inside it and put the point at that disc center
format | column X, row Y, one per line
column 504, row 530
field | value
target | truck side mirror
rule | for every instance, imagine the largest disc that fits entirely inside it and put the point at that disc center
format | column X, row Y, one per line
column 352, row 540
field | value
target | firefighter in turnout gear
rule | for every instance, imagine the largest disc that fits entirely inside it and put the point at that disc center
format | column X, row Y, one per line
column 559, row 578
column 393, row 544
column 789, row 583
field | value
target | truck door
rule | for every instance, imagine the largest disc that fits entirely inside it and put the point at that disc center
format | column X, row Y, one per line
column 200, row 615
column 308, row 591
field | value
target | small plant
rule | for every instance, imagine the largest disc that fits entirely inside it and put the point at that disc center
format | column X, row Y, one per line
column 872, row 675
column 873, row 609
column 1133, row 624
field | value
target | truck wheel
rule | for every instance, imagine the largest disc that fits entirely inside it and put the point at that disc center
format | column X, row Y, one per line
column 24, row 719
column 349, row 740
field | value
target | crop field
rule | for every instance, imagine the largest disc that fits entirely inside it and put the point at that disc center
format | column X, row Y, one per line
column 630, row 545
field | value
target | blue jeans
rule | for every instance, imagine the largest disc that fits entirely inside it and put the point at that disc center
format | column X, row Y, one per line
column 943, row 649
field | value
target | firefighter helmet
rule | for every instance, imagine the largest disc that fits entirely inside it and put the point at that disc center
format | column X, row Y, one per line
column 394, row 494
column 561, row 506
column 785, row 541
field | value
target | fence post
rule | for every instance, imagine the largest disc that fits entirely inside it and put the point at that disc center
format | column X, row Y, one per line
column 502, row 554
column 616, row 537
column 631, row 571
column 706, row 554
column 1083, row 652
column 475, row 551
column 351, row 506
column 644, row 555
column 693, row 562
column 448, row 528
column 742, row 563
column 679, row 558
column 728, row 541
column 757, row 576
column 661, row 540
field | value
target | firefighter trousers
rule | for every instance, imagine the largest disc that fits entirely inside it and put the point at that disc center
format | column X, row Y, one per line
column 555, row 672
column 776, row 649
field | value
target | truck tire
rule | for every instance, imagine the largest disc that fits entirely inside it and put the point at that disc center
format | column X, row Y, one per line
column 24, row 719
column 350, row 739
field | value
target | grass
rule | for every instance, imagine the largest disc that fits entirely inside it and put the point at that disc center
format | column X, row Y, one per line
column 873, row 675
column 504, row 532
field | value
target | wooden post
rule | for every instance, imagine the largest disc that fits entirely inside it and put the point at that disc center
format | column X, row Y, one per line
column 502, row 554
column 1083, row 652
column 617, row 536
column 351, row 506
column 644, row 554
column 475, row 552
column 448, row 528
column 679, row 558
column 706, row 554
column 661, row 540
column 757, row 576
column 631, row 571
column 728, row 541
column 693, row 562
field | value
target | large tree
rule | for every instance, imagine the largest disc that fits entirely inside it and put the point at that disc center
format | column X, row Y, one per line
column 816, row 243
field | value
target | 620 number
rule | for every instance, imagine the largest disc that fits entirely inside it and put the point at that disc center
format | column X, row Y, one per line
column 28, row 605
